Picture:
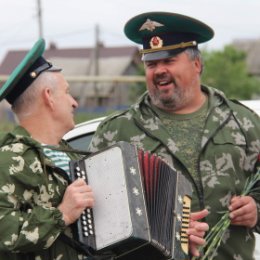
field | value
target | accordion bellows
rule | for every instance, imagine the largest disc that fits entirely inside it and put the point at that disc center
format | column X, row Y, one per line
column 142, row 205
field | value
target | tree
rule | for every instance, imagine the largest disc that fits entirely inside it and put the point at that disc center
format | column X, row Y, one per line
column 227, row 71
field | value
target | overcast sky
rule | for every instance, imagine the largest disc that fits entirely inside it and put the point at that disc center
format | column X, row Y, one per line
column 71, row 23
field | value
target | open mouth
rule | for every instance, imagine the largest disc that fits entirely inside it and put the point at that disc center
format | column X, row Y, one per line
column 163, row 80
column 163, row 83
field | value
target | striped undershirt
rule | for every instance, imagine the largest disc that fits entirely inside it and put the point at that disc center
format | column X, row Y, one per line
column 59, row 158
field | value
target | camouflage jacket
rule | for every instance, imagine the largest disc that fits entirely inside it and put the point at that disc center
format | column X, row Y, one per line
column 31, row 188
column 229, row 149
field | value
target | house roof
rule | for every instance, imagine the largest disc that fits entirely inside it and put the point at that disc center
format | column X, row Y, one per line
column 252, row 50
column 13, row 57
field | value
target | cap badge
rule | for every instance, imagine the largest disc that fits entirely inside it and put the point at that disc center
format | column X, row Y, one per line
column 33, row 74
column 156, row 42
column 150, row 25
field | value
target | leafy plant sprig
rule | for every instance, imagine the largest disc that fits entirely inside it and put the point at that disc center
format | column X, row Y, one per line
column 215, row 235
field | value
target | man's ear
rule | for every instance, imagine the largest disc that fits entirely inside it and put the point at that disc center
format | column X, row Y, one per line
column 198, row 64
column 47, row 96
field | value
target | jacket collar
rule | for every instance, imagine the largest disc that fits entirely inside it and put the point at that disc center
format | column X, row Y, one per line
column 148, row 120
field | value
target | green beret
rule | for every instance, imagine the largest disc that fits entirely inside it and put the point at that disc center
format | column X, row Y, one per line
column 32, row 65
column 164, row 34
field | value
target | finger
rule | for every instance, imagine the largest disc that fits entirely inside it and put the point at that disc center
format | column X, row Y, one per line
column 198, row 226
column 84, row 189
column 89, row 202
column 199, row 215
column 199, row 241
column 80, row 186
column 194, row 250
column 194, row 243
column 248, row 220
column 235, row 204
column 246, row 206
column 239, row 201
column 238, row 212
column 196, row 233
column 84, row 200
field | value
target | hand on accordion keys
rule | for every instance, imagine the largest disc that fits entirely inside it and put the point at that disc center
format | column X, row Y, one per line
column 78, row 196
column 197, row 231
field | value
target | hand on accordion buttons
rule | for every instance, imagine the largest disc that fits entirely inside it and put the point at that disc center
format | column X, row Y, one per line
column 77, row 197
column 197, row 230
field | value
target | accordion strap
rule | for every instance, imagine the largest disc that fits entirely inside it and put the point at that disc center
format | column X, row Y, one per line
column 84, row 249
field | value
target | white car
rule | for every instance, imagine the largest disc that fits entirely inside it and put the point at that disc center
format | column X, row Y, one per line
column 81, row 135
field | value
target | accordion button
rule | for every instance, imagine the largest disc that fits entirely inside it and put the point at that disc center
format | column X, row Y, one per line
column 86, row 234
column 91, row 232
column 90, row 226
column 84, row 222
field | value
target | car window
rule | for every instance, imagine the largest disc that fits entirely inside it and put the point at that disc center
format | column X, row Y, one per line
column 81, row 142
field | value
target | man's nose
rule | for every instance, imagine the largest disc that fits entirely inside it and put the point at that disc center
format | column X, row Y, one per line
column 160, row 69
column 74, row 103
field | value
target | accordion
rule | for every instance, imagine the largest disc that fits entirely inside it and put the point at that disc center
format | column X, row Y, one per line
column 142, row 205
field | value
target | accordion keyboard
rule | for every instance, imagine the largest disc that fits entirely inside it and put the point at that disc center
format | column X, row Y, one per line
column 185, row 223
column 87, row 215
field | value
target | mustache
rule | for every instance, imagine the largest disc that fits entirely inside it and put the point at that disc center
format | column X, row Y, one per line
column 163, row 77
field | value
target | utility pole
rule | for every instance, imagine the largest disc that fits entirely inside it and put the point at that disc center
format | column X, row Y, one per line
column 96, row 64
column 97, row 46
column 39, row 15
column 93, row 69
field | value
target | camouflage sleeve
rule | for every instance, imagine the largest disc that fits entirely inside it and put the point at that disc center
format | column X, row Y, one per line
column 28, row 220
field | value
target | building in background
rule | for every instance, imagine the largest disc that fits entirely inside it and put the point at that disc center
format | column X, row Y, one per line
column 77, row 63
column 252, row 50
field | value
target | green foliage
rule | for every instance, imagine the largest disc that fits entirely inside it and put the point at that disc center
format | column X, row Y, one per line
column 226, row 70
